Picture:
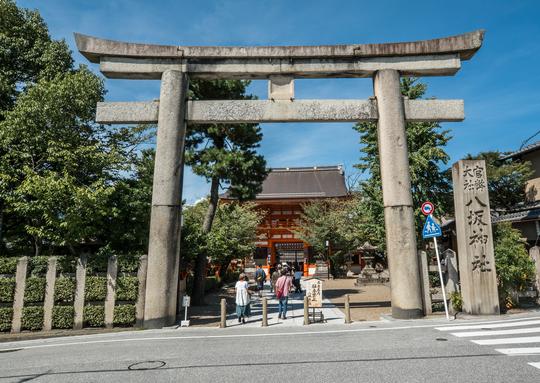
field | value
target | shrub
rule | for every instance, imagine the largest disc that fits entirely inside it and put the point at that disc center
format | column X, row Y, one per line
column 124, row 315
column 456, row 300
column 38, row 265
column 434, row 279
column 32, row 318
column 127, row 289
column 128, row 263
column 6, row 314
column 7, row 289
column 95, row 288
column 8, row 265
column 63, row 316
column 97, row 263
column 514, row 266
column 211, row 284
column 35, row 289
column 64, row 289
column 94, row 316
column 66, row 264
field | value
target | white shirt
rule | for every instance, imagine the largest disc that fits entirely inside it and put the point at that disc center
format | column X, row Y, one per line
column 242, row 296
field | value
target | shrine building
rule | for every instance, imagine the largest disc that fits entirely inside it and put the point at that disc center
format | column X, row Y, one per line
column 283, row 193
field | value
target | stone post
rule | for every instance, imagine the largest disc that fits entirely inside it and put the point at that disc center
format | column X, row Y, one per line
column 78, row 303
column 475, row 239
column 18, row 300
column 141, row 276
column 424, row 281
column 306, row 310
column 452, row 275
column 223, row 322
column 110, row 300
column 397, row 198
column 264, row 312
column 534, row 252
column 48, row 302
column 164, row 240
column 347, row 309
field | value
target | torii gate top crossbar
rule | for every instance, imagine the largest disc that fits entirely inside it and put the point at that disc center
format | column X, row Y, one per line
column 281, row 65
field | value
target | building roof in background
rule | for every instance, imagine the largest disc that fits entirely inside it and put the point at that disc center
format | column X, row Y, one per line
column 524, row 150
column 525, row 212
column 303, row 182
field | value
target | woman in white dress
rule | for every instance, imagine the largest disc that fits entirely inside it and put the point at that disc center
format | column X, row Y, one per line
column 242, row 298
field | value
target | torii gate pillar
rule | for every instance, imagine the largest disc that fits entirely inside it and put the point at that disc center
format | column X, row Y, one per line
column 397, row 198
column 164, row 239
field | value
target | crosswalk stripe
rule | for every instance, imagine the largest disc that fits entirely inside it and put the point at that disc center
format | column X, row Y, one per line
column 481, row 326
column 527, row 339
column 468, row 334
column 537, row 365
column 519, row 351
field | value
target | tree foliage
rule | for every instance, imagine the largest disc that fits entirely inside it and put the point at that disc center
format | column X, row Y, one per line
column 233, row 234
column 506, row 179
column 425, row 142
column 515, row 268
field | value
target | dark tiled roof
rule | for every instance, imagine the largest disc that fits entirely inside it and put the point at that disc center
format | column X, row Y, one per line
column 305, row 182
column 526, row 149
column 524, row 213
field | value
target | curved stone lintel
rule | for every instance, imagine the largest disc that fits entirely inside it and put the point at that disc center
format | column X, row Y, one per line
column 465, row 45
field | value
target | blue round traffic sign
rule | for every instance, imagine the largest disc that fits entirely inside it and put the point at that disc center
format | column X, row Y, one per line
column 427, row 208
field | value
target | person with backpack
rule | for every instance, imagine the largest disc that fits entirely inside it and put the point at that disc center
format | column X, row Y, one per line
column 275, row 276
column 260, row 277
column 283, row 286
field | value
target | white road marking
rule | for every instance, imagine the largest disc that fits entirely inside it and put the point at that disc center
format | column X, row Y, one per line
column 537, row 365
column 527, row 339
column 519, row 351
column 489, row 325
column 496, row 332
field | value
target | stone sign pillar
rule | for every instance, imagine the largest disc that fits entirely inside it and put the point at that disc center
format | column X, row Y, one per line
column 164, row 241
column 475, row 239
column 398, row 209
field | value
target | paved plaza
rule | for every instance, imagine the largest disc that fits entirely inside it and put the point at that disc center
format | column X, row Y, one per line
column 295, row 311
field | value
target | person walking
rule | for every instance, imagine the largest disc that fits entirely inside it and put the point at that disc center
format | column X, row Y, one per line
column 283, row 286
column 297, row 278
column 260, row 277
column 242, row 298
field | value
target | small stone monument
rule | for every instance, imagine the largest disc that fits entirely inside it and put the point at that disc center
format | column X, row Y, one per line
column 475, row 238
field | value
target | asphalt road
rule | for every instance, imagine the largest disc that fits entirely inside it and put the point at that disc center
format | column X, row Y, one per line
column 404, row 351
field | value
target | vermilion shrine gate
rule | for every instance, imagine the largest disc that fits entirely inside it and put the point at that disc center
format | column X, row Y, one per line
column 175, row 65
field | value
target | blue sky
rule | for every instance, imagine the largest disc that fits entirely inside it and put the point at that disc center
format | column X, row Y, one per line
column 500, row 85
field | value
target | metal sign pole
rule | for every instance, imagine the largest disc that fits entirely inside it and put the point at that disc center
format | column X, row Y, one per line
column 441, row 277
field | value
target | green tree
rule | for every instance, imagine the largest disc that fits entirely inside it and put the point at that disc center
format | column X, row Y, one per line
column 225, row 155
column 515, row 268
column 58, row 169
column 506, row 179
column 426, row 142
column 233, row 233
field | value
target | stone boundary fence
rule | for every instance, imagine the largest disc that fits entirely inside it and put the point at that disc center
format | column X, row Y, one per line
column 61, row 292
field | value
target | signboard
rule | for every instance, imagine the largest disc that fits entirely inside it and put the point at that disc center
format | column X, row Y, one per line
column 427, row 208
column 314, row 292
column 431, row 228
column 186, row 301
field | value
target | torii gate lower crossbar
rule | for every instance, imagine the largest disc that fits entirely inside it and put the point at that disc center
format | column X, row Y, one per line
column 174, row 65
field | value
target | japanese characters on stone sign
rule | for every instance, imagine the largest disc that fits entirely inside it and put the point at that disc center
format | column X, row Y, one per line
column 314, row 292
column 477, row 215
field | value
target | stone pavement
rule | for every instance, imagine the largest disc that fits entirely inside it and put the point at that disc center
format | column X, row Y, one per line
column 295, row 311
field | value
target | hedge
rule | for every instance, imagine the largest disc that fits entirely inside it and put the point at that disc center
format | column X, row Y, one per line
column 95, row 288
column 64, row 289
column 127, row 289
column 7, row 289
column 38, row 265
column 32, row 318
column 128, row 263
column 8, row 265
column 5, row 318
column 63, row 316
column 94, row 316
column 35, row 289
column 124, row 315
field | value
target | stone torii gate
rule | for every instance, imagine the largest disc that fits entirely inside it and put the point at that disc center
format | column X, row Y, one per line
column 174, row 65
